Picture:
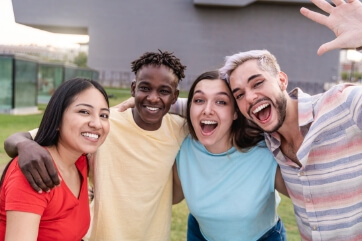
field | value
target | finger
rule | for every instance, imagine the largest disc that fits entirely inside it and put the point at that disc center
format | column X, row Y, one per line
column 52, row 173
column 314, row 16
column 121, row 108
column 38, row 181
column 41, row 176
column 327, row 47
column 32, row 183
column 324, row 5
column 338, row 2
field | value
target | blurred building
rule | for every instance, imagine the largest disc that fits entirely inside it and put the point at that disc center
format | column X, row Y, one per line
column 200, row 32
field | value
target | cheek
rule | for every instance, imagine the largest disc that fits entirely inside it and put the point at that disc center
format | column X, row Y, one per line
column 106, row 127
column 194, row 113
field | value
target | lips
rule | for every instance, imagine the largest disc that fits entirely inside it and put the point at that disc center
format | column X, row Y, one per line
column 262, row 112
column 208, row 126
column 90, row 135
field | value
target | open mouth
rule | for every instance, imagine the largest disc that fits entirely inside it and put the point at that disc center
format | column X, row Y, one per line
column 90, row 135
column 208, row 126
column 152, row 109
column 262, row 112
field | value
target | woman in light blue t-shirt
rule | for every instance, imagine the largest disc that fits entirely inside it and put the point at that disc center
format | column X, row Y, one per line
column 224, row 171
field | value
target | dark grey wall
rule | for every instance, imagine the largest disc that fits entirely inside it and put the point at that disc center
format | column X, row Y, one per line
column 201, row 36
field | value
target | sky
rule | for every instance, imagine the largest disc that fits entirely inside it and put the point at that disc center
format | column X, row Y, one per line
column 12, row 33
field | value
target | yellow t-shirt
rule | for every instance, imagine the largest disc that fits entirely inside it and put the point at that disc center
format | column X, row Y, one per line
column 133, row 180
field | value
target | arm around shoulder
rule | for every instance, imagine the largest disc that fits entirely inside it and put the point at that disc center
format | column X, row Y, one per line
column 279, row 183
column 177, row 192
column 11, row 143
column 34, row 161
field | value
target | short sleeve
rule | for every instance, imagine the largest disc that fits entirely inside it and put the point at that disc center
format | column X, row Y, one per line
column 33, row 133
column 19, row 195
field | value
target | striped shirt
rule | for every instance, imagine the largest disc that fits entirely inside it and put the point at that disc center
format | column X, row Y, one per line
column 327, row 190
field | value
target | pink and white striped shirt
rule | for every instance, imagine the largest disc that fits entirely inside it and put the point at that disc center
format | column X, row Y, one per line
column 327, row 190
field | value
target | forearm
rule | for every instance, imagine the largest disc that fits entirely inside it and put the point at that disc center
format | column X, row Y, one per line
column 177, row 192
column 11, row 143
column 280, row 184
column 180, row 107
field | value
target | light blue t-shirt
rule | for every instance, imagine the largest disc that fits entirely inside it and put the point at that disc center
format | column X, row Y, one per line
column 231, row 194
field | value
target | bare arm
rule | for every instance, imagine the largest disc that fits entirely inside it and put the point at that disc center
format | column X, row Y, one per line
column 129, row 103
column 180, row 107
column 177, row 193
column 34, row 160
column 279, row 183
column 11, row 143
column 345, row 20
column 21, row 226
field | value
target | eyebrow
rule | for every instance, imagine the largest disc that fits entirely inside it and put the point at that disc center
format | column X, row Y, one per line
column 218, row 93
column 253, row 77
column 249, row 79
column 91, row 106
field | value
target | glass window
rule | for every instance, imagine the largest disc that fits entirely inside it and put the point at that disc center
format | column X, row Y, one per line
column 6, row 82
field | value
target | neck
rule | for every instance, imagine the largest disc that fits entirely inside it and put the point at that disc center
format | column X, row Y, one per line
column 63, row 157
column 218, row 148
column 290, row 128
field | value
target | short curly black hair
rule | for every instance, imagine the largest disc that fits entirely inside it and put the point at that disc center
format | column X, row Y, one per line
column 158, row 59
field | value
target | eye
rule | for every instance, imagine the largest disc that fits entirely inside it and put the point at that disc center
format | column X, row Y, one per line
column 165, row 92
column 198, row 101
column 258, row 83
column 106, row 116
column 85, row 112
column 143, row 88
column 238, row 96
column 221, row 102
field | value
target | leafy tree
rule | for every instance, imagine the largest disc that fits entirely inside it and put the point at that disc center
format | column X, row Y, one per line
column 81, row 59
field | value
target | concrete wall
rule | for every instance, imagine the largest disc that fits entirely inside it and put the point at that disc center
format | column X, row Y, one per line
column 200, row 35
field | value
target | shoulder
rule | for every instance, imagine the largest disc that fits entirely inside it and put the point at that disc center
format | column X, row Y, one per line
column 342, row 91
column 175, row 124
column 262, row 152
column 175, row 119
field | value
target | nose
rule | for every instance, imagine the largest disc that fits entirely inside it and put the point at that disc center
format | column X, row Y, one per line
column 95, row 122
column 153, row 96
column 208, row 110
column 250, row 96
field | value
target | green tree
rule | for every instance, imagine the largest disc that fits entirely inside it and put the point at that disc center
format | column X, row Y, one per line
column 81, row 59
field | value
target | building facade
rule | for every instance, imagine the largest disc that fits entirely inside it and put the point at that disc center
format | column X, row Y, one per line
column 200, row 32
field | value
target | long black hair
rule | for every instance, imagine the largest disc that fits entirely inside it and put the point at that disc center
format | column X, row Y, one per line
column 63, row 96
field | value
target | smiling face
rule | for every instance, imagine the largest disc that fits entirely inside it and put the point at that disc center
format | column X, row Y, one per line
column 260, row 95
column 212, row 112
column 84, row 125
column 155, row 90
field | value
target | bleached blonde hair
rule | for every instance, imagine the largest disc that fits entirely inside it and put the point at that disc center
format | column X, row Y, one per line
column 266, row 61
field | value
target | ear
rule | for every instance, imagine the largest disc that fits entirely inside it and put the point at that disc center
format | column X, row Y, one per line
column 133, row 88
column 235, row 115
column 283, row 80
column 175, row 96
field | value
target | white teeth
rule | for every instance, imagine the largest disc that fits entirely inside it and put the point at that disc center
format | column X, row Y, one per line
column 152, row 108
column 95, row 136
column 260, row 108
column 209, row 122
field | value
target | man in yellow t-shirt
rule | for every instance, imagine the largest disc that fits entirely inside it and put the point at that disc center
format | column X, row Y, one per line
column 133, row 168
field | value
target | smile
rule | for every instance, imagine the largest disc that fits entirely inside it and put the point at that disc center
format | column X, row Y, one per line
column 152, row 108
column 90, row 135
column 208, row 126
column 260, row 108
column 262, row 112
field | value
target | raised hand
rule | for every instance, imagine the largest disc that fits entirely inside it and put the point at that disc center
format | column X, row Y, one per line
column 345, row 20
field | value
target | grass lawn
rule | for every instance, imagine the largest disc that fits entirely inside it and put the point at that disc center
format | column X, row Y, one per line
column 14, row 123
